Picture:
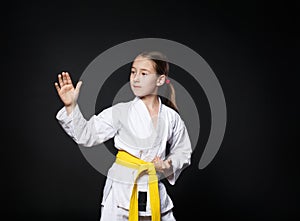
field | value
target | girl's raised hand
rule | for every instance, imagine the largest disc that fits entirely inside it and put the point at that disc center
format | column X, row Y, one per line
column 66, row 91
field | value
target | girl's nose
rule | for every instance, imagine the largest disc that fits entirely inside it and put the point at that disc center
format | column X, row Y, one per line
column 136, row 77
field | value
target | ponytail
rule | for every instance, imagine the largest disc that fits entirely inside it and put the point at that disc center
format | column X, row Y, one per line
column 169, row 99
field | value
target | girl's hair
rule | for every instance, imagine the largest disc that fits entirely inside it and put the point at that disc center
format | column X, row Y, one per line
column 161, row 66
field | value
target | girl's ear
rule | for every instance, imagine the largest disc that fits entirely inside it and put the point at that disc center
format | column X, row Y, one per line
column 161, row 80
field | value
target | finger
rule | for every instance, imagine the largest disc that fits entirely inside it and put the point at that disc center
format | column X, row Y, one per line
column 78, row 86
column 57, row 87
column 155, row 159
column 64, row 77
column 157, row 165
column 68, row 78
column 60, row 81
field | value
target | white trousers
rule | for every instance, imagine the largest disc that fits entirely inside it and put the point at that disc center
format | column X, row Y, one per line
column 111, row 212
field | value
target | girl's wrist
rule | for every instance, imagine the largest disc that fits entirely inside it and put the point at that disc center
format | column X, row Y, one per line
column 70, row 108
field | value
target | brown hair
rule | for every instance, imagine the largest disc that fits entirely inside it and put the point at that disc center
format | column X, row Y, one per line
column 161, row 66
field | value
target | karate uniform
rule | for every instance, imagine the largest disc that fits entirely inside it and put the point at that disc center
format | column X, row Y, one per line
column 133, row 130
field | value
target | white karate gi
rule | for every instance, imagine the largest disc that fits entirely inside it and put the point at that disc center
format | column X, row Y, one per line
column 131, row 126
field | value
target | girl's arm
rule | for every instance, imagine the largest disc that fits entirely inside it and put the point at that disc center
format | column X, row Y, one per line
column 96, row 130
column 180, row 150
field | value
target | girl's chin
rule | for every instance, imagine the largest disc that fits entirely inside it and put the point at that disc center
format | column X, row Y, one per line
column 139, row 94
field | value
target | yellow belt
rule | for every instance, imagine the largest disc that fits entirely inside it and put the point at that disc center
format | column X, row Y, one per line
column 127, row 160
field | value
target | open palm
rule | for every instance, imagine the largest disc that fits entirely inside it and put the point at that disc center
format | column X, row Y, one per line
column 66, row 91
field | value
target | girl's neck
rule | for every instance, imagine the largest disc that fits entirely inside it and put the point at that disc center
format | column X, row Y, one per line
column 151, row 101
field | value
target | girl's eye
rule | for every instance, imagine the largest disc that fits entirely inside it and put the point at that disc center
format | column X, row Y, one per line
column 144, row 74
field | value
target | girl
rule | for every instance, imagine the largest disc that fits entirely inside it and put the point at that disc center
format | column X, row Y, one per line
column 141, row 129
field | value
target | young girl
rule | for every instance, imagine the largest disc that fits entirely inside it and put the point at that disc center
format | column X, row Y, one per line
column 141, row 129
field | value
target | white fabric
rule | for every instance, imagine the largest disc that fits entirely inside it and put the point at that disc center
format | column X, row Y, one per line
column 110, row 212
column 133, row 130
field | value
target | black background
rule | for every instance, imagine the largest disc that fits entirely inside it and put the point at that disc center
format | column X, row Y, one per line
column 252, row 47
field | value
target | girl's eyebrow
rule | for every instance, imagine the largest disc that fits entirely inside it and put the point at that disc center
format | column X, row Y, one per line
column 143, row 69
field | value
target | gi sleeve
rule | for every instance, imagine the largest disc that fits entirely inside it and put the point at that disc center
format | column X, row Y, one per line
column 96, row 130
column 180, row 149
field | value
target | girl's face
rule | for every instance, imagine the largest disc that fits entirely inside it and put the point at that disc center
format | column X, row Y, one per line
column 143, row 77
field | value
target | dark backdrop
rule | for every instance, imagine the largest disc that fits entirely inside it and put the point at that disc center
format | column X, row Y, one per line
column 252, row 46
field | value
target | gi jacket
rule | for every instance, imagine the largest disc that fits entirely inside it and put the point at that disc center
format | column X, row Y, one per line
column 133, row 130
